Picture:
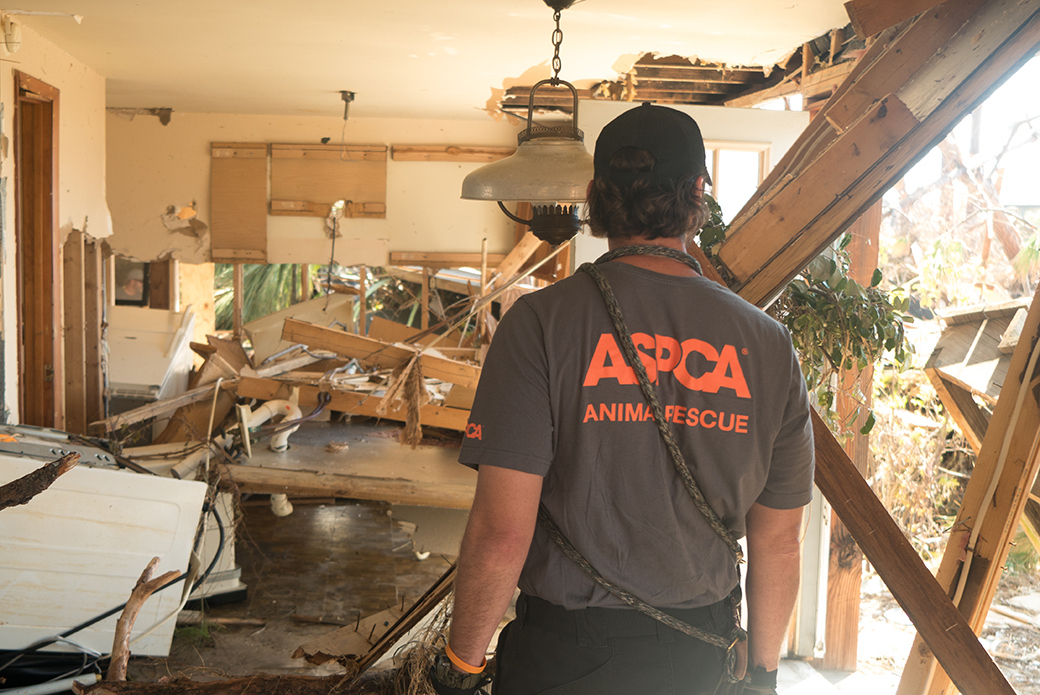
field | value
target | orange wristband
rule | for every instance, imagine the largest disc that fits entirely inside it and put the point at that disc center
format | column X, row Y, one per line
column 462, row 664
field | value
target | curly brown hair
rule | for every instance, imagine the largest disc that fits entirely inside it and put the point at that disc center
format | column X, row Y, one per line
column 639, row 208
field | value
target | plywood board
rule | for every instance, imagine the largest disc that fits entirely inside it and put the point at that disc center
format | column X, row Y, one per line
column 305, row 179
column 239, row 202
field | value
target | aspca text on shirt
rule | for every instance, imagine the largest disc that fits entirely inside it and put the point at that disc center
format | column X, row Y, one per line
column 692, row 363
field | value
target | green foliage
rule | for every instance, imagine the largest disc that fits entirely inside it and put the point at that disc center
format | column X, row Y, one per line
column 836, row 324
column 267, row 289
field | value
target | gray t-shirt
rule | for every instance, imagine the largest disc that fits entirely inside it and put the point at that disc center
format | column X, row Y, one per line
column 558, row 399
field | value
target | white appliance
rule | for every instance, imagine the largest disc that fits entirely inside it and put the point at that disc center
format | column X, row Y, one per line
column 77, row 549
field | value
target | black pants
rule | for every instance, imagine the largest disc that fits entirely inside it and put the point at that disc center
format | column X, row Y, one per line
column 599, row 651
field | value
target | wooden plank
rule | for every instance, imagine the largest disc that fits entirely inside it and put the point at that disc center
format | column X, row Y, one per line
column 93, row 313
column 971, row 420
column 870, row 17
column 363, row 299
column 75, row 334
column 516, row 258
column 424, row 304
column 352, row 402
column 239, row 201
column 160, row 408
column 329, row 173
column 267, row 481
column 946, row 631
column 238, row 299
column 191, row 421
column 378, row 353
column 764, row 260
column 993, row 503
column 430, row 259
column 303, row 208
column 448, row 153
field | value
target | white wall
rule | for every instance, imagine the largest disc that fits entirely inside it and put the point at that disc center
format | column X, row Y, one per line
column 81, row 169
column 151, row 167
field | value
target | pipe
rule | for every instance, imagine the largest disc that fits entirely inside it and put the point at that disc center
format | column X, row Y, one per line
column 54, row 686
column 291, row 411
column 187, row 467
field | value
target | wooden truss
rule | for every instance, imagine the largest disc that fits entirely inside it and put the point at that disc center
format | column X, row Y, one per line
column 916, row 81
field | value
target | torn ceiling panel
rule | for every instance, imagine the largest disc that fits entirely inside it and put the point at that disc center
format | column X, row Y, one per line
column 410, row 58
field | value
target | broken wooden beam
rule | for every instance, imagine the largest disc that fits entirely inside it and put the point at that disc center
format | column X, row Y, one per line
column 441, row 260
column 993, row 503
column 161, row 408
column 944, row 629
column 448, row 153
column 378, row 353
column 869, row 17
column 21, row 490
column 146, row 586
column 269, row 481
column 901, row 99
column 352, row 403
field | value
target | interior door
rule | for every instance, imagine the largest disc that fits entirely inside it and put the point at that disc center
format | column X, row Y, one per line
column 41, row 374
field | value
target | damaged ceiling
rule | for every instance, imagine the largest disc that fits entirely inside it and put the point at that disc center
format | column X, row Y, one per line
column 411, row 58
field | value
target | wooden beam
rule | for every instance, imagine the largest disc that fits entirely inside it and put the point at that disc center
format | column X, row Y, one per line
column 93, row 312
column 870, row 17
column 844, row 577
column 377, row 352
column 516, row 258
column 993, row 503
column 899, row 566
column 449, row 153
column 424, row 320
column 970, row 418
column 352, row 402
column 442, row 260
column 160, row 284
column 238, row 288
column 363, row 299
column 160, row 408
column 842, row 171
column 75, row 334
column 267, row 481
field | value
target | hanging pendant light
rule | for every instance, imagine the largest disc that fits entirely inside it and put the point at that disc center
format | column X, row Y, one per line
column 550, row 169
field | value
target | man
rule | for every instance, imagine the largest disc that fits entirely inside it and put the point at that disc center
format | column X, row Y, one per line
column 560, row 419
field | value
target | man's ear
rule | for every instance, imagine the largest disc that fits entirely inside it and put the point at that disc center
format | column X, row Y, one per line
column 698, row 187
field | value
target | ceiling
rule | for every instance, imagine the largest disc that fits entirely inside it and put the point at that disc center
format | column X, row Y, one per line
column 403, row 58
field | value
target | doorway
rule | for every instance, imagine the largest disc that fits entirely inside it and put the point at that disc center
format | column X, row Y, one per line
column 40, row 373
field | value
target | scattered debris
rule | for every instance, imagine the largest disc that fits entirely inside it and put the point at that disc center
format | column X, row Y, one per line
column 23, row 489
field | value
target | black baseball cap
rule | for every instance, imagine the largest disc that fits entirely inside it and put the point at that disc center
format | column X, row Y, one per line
column 671, row 136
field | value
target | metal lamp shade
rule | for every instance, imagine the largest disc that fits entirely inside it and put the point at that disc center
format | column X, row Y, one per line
column 545, row 169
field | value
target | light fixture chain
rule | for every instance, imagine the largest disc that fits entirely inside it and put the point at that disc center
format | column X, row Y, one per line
column 557, row 39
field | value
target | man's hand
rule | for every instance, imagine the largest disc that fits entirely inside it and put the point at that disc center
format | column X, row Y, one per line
column 757, row 682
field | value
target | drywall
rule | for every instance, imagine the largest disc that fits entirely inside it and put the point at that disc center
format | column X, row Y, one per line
column 81, row 168
column 152, row 167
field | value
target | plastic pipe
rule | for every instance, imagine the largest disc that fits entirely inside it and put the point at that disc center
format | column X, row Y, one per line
column 291, row 411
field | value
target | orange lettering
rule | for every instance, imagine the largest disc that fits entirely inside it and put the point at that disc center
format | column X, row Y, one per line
column 703, row 382
column 607, row 348
column 668, row 410
column 722, row 422
column 642, row 340
column 680, row 413
column 741, row 424
column 590, row 413
column 666, row 363
column 633, row 414
column 605, row 414
column 474, row 431
column 691, row 417
column 704, row 418
column 728, row 373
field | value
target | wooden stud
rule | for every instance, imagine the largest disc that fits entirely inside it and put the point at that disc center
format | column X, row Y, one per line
column 238, row 288
column 161, row 279
column 515, row 259
column 75, row 334
column 93, row 319
column 424, row 320
column 363, row 299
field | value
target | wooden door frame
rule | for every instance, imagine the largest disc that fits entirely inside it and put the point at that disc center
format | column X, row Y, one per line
column 31, row 90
